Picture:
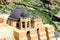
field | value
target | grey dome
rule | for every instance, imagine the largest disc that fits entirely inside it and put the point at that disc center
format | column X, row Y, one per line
column 24, row 14
column 17, row 13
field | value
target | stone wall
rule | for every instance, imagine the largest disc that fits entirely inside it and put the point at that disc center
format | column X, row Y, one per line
column 45, row 32
column 6, row 33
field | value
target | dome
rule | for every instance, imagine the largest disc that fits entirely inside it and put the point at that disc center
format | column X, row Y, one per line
column 24, row 14
column 17, row 13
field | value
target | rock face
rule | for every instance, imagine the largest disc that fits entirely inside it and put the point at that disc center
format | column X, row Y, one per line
column 51, row 4
column 58, row 15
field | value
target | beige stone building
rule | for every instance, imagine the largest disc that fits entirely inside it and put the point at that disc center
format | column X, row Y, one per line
column 29, row 28
column 6, row 32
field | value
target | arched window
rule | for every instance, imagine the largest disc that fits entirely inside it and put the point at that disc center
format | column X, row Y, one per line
column 27, row 24
column 23, row 24
column 17, row 25
column 38, row 30
column 32, row 24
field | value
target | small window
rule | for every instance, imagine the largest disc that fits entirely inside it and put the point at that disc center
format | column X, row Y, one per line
column 27, row 24
column 23, row 24
column 32, row 24
column 17, row 25
column 38, row 30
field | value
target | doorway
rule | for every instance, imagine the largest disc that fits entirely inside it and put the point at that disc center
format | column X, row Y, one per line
column 38, row 34
column 28, row 35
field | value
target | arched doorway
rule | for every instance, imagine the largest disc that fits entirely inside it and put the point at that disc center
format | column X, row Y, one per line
column 28, row 35
column 38, row 34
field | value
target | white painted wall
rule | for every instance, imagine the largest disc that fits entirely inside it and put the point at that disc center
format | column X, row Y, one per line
column 58, row 38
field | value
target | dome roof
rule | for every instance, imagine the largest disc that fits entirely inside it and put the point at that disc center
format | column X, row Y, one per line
column 17, row 13
column 24, row 14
